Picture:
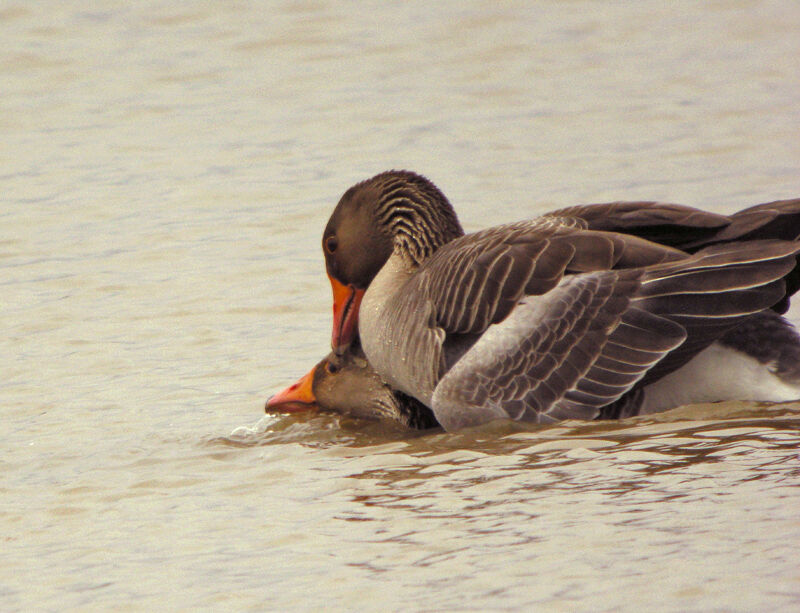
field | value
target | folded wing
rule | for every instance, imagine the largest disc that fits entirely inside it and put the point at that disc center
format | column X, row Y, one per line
column 583, row 343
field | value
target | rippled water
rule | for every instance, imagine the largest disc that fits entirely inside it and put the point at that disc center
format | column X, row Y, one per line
column 166, row 172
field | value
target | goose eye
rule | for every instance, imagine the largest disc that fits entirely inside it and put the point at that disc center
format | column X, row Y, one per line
column 331, row 243
column 331, row 368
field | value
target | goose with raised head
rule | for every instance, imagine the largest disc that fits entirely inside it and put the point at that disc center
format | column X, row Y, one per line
column 538, row 320
column 359, row 259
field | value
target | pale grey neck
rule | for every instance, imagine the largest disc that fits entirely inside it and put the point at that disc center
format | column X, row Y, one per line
column 374, row 323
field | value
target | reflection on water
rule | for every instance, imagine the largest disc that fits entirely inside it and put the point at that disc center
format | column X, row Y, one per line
column 166, row 174
column 500, row 510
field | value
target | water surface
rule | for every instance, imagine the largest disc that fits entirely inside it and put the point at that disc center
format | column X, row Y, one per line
column 166, row 174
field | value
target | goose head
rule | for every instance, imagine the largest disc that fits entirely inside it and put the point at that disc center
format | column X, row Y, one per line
column 347, row 385
column 395, row 211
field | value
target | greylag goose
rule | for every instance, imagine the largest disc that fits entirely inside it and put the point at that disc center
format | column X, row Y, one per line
column 347, row 384
column 545, row 319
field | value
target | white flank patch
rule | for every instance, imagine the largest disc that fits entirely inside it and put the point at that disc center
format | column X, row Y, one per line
column 716, row 374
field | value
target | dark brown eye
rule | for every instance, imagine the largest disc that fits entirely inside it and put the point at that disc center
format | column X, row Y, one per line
column 331, row 368
column 331, row 243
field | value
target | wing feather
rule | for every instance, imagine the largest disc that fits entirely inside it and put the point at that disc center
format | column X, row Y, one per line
column 477, row 280
column 589, row 341
column 544, row 319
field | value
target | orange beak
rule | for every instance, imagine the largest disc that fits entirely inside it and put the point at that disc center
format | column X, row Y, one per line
column 346, row 301
column 295, row 398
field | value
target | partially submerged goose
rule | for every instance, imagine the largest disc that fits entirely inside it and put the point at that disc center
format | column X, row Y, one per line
column 764, row 352
column 546, row 319
column 347, row 384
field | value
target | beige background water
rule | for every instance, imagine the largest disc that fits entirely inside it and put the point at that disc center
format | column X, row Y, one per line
column 166, row 170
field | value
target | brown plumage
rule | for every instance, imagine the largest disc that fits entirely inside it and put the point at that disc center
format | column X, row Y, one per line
column 554, row 318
